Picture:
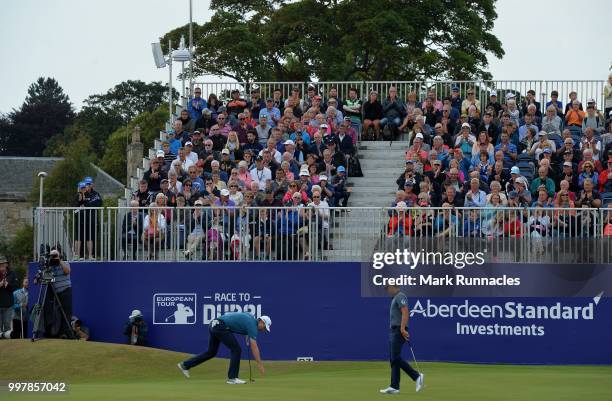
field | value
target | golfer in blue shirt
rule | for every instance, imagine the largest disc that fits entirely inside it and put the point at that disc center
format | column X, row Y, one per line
column 398, row 335
column 222, row 331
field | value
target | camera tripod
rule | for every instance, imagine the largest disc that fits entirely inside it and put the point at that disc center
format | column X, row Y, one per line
column 39, row 307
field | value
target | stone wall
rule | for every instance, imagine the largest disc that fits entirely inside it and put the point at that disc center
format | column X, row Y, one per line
column 14, row 214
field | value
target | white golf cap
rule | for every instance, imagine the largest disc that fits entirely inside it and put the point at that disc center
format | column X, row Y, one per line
column 160, row 153
column 465, row 125
column 289, row 142
column 267, row 321
column 135, row 313
column 225, row 192
column 419, row 135
column 510, row 95
column 322, row 177
column 188, row 143
column 493, row 93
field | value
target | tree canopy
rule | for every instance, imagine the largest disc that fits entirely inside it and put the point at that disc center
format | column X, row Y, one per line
column 278, row 40
column 46, row 112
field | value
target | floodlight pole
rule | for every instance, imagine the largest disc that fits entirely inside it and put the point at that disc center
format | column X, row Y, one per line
column 170, row 81
column 190, row 47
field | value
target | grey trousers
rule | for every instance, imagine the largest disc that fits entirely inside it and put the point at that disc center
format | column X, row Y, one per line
column 6, row 319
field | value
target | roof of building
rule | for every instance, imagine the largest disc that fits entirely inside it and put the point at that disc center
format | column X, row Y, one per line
column 22, row 177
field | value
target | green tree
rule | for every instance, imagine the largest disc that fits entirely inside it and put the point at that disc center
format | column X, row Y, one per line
column 45, row 112
column 61, row 184
column 18, row 249
column 103, row 114
column 114, row 160
column 345, row 40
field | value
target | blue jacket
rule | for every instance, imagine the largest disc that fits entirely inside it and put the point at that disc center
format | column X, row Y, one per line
column 195, row 107
column 289, row 221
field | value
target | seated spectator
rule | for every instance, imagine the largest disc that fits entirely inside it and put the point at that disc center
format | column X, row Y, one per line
column 539, row 225
column 143, row 195
column 233, row 146
column 321, row 219
column 528, row 124
column 605, row 179
column 593, row 121
column 154, row 230
column 475, row 197
column 555, row 104
column 542, row 199
column 551, row 122
column 174, row 184
column 341, row 192
column 588, row 197
column 471, row 100
column 136, row 329
column 393, row 109
column 446, row 222
column 523, row 196
column 512, row 226
column 588, row 172
column 587, row 156
column 471, row 224
column 418, row 150
column 132, row 229
column 508, row 149
column 543, row 180
column 574, row 115
column 483, row 145
column 589, row 141
column 400, row 222
column 452, row 196
column 544, row 144
column 81, row 331
column 513, row 111
column 154, row 175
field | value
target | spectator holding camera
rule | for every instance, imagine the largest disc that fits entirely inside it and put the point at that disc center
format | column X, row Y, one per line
column 136, row 329
column 8, row 284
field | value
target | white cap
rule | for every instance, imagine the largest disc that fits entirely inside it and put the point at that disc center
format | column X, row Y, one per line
column 322, row 177
column 188, row 143
column 493, row 93
column 323, row 126
column 510, row 95
column 465, row 125
column 160, row 153
column 419, row 135
column 289, row 142
column 243, row 163
column 267, row 321
column 304, row 173
column 401, row 205
column 225, row 192
column 135, row 313
column 225, row 151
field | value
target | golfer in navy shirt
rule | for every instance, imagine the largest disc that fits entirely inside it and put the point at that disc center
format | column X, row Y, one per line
column 222, row 331
column 398, row 335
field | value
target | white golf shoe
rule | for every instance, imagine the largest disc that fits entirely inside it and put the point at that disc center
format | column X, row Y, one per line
column 389, row 390
column 235, row 381
column 420, row 382
column 182, row 369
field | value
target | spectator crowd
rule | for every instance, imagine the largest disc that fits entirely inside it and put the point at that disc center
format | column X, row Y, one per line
column 294, row 154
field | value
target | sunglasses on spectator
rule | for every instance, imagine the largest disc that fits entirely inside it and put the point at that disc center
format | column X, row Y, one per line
column 316, row 197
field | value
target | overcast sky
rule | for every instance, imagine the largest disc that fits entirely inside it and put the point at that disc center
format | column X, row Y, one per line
column 89, row 46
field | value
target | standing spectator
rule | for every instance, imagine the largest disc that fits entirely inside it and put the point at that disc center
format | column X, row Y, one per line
column 256, row 104
column 234, row 106
column 608, row 98
column 136, row 329
column 530, row 99
column 131, row 229
column 372, row 114
column 154, row 175
column 471, row 100
column 8, row 284
column 187, row 121
column 142, row 194
column 393, row 110
column 196, row 105
column 555, row 103
column 352, row 109
column 321, row 218
column 593, row 120
column 455, row 98
column 20, row 311
column 494, row 103
column 271, row 113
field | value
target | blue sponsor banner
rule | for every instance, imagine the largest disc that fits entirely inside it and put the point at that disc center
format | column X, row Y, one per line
column 318, row 312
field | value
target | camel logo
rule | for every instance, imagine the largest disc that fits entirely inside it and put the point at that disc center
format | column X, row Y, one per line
column 174, row 308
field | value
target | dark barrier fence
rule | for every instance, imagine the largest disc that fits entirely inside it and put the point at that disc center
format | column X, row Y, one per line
column 318, row 312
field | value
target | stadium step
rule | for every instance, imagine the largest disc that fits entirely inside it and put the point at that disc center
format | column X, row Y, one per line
column 381, row 163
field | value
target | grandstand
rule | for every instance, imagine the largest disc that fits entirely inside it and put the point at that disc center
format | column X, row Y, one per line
column 520, row 167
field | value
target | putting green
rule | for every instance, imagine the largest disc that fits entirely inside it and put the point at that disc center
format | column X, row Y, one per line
column 99, row 371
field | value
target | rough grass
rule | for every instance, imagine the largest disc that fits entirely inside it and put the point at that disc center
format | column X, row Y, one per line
column 98, row 371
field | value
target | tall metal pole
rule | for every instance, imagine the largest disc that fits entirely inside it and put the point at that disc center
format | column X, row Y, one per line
column 170, row 81
column 190, row 47
column 40, row 195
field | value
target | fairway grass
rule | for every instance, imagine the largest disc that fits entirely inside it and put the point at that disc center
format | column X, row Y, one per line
column 98, row 371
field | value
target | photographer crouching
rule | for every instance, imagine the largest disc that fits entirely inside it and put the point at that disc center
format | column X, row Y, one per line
column 56, row 315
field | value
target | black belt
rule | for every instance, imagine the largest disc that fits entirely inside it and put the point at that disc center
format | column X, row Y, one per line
column 397, row 327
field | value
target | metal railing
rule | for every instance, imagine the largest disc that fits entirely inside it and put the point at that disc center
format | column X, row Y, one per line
column 585, row 89
column 541, row 235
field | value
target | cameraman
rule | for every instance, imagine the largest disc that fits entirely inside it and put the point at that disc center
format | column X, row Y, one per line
column 136, row 329
column 8, row 284
column 63, row 288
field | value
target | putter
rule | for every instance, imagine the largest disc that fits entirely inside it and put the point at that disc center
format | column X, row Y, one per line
column 249, row 353
column 413, row 357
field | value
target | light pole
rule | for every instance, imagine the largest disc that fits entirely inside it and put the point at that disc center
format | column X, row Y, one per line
column 42, row 175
